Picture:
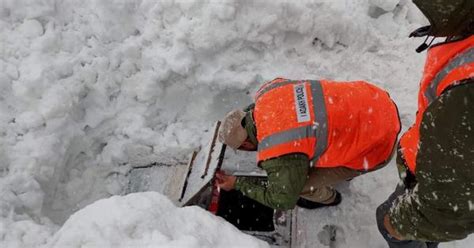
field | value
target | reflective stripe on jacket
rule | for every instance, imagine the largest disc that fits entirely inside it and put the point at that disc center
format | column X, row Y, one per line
column 446, row 65
column 352, row 124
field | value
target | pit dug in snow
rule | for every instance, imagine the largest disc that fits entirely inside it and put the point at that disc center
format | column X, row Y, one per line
column 193, row 184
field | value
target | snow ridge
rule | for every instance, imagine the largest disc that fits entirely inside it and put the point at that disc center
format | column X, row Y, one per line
column 86, row 89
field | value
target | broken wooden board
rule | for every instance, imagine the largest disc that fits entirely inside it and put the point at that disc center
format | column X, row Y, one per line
column 182, row 183
column 203, row 170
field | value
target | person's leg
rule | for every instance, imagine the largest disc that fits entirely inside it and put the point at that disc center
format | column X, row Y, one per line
column 382, row 210
column 318, row 185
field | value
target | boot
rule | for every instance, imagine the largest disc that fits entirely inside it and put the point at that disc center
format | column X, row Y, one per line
column 304, row 203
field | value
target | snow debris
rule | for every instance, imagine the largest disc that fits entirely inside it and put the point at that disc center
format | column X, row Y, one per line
column 87, row 89
column 147, row 220
column 387, row 5
column 366, row 164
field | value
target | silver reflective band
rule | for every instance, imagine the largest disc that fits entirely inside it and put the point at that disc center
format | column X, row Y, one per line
column 318, row 129
column 460, row 60
column 286, row 136
column 320, row 118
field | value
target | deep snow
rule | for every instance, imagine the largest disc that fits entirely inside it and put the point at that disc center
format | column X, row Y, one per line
column 148, row 220
column 88, row 88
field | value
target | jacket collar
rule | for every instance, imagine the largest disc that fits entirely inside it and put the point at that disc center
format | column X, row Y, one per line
column 250, row 127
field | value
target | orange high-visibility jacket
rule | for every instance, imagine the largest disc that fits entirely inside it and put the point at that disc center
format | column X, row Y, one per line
column 446, row 65
column 351, row 124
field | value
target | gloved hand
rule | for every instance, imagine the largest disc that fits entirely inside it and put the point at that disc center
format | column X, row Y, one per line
column 225, row 182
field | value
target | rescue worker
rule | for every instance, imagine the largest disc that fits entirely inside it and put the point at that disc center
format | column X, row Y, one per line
column 310, row 135
column 435, row 201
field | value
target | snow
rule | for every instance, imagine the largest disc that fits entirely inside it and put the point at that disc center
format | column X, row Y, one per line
column 137, row 220
column 88, row 87
column 384, row 4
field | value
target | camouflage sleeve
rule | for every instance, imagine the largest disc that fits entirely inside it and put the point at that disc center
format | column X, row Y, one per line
column 281, row 190
column 439, row 207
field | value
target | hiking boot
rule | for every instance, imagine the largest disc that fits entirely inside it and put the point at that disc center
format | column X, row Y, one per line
column 303, row 203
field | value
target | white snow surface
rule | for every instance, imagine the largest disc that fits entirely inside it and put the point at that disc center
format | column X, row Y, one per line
column 88, row 86
column 148, row 220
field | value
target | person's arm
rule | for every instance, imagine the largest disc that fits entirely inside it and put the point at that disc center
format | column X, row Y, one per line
column 286, row 178
column 439, row 208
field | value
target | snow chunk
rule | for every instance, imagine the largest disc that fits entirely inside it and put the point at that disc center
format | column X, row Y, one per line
column 31, row 29
column 387, row 5
column 148, row 220
column 29, row 119
column 18, row 10
column 23, row 233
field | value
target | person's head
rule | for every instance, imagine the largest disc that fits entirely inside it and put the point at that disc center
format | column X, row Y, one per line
column 232, row 131
column 448, row 18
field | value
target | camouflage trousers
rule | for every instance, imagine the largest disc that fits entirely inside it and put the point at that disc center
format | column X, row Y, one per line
column 318, row 187
column 382, row 210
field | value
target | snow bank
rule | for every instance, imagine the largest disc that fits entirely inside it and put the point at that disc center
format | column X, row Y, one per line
column 86, row 87
column 147, row 220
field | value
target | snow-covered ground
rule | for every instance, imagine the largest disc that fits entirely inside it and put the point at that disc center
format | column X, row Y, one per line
column 88, row 87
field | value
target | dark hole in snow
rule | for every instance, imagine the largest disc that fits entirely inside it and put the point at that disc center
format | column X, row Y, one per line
column 245, row 213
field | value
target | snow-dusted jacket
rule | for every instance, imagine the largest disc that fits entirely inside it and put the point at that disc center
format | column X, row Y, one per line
column 446, row 65
column 350, row 124
column 440, row 207
column 287, row 171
